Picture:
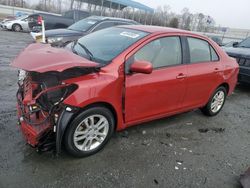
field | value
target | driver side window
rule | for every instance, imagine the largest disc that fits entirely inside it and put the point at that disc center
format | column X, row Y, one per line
column 161, row 52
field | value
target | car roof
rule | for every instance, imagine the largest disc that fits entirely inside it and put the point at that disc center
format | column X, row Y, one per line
column 158, row 29
column 102, row 18
column 43, row 14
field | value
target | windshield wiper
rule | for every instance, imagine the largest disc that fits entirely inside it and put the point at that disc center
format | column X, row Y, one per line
column 244, row 46
column 86, row 50
column 73, row 48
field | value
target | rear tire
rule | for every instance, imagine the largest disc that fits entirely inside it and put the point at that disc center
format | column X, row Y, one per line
column 17, row 28
column 216, row 102
column 89, row 132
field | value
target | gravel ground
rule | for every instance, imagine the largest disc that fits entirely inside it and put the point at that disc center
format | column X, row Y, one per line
column 187, row 150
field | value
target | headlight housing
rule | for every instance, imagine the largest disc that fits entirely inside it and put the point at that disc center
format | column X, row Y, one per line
column 54, row 39
column 21, row 76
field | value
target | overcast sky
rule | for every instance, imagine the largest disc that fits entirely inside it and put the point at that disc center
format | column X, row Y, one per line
column 230, row 13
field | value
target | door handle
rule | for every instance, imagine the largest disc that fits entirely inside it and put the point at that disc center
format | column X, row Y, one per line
column 216, row 70
column 181, row 76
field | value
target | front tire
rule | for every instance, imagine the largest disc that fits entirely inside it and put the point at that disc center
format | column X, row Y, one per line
column 89, row 132
column 17, row 28
column 216, row 102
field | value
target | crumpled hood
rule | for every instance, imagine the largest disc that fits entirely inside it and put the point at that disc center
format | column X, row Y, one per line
column 44, row 58
column 62, row 33
column 239, row 52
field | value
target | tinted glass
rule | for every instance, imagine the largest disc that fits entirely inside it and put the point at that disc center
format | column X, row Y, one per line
column 104, row 25
column 123, row 23
column 245, row 43
column 214, row 56
column 69, row 14
column 199, row 50
column 108, row 43
column 83, row 25
column 32, row 18
column 161, row 52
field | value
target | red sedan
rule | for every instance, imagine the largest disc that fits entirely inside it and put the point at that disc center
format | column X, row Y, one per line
column 116, row 78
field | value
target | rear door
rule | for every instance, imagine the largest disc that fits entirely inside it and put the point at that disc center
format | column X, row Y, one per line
column 204, row 72
column 162, row 91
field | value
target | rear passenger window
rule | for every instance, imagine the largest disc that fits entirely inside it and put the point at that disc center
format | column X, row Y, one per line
column 199, row 50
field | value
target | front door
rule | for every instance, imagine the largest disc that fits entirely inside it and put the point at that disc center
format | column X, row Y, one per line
column 162, row 91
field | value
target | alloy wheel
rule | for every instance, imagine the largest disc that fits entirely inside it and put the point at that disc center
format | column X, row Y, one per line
column 91, row 132
column 17, row 28
column 217, row 101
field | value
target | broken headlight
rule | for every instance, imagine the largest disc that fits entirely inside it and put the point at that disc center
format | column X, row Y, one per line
column 21, row 76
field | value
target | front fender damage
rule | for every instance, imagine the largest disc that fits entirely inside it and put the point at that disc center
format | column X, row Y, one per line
column 63, row 121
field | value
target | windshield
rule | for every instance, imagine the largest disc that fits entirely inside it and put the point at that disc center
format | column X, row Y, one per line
column 245, row 43
column 104, row 45
column 22, row 17
column 83, row 25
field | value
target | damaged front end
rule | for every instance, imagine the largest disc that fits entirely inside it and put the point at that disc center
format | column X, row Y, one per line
column 41, row 113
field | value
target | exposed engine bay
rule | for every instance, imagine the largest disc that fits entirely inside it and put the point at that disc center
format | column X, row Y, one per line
column 40, row 97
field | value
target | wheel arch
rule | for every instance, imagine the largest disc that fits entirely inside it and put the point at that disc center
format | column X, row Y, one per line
column 102, row 104
column 226, row 86
column 12, row 27
column 66, row 119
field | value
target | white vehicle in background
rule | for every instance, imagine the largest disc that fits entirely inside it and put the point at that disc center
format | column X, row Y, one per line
column 19, row 24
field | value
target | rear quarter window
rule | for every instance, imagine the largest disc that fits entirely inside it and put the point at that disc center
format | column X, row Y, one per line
column 214, row 55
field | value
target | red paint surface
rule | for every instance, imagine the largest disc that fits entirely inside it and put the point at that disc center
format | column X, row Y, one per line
column 138, row 98
column 43, row 58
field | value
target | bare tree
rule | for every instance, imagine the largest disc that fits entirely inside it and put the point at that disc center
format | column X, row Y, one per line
column 174, row 22
column 72, row 4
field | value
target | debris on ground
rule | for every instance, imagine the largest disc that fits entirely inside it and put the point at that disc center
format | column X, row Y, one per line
column 124, row 134
column 179, row 162
column 156, row 181
column 168, row 135
column 144, row 132
column 164, row 143
column 184, row 149
column 214, row 129
column 145, row 143
column 205, row 181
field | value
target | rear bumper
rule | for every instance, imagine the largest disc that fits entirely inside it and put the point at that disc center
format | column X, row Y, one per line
column 244, row 74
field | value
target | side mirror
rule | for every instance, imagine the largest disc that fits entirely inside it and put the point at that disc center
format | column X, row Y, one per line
column 235, row 44
column 141, row 66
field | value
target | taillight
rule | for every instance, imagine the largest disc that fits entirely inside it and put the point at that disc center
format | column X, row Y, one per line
column 39, row 20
